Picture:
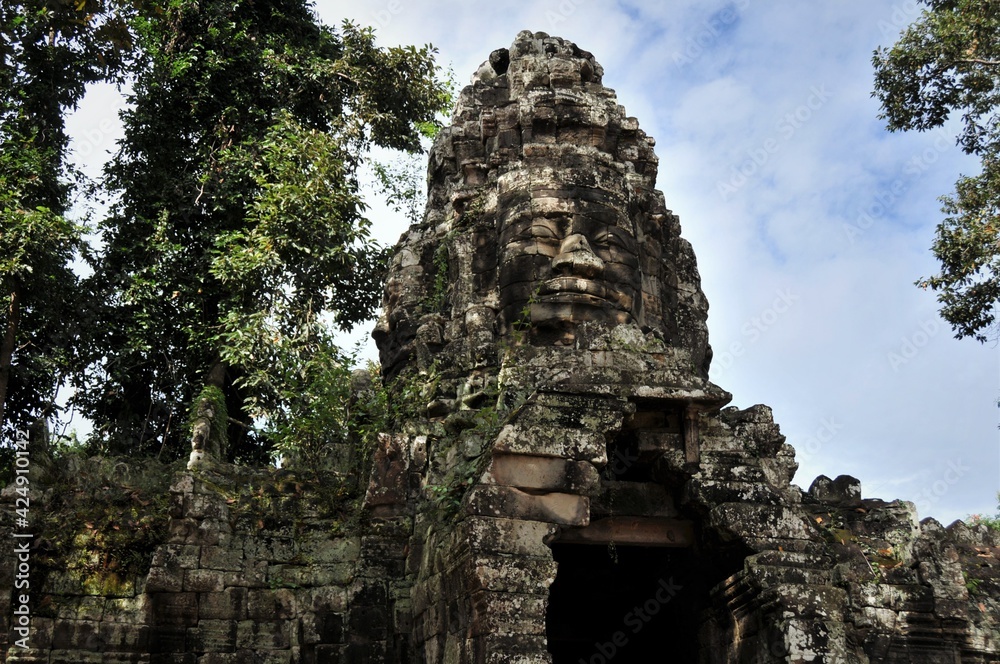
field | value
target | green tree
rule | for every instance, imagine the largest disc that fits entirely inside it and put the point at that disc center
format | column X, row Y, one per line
column 948, row 61
column 238, row 233
column 50, row 51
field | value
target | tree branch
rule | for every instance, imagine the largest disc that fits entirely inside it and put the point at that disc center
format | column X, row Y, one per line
column 979, row 61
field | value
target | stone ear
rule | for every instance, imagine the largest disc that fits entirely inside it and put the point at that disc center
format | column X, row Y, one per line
column 500, row 60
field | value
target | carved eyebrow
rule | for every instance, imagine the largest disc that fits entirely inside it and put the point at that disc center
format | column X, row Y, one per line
column 613, row 235
column 544, row 228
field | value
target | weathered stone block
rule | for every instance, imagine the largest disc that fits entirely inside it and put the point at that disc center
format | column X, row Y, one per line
column 340, row 550
column 273, row 549
column 271, row 604
column 505, row 501
column 184, row 531
column 638, row 530
column 126, row 657
column 74, row 657
column 177, row 556
column 221, row 557
column 633, row 499
column 33, row 656
column 205, row 506
column 759, row 521
column 263, row 635
column 845, row 491
column 308, row 576
column 253, row 575
column 574, row 444
column 330, row 599
column 40, row 636
column 322, row 627
column 542, row 473
column 513, row 574
column 507, row 614
column 127, row 609
column 167, row 645
column 229, row 604
column 203, row 580
column 709, row 492
column 115, row 636
column 81, row 635
column 211, row 636
column 510, row 649
column 176, row 609
column 509, row 536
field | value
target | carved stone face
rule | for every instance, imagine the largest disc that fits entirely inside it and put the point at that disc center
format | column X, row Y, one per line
column 567, row 257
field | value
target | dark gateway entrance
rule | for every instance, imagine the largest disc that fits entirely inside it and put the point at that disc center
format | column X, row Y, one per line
column 624, row 604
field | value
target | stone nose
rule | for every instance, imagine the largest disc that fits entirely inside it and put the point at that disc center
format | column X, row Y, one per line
column 576, row 258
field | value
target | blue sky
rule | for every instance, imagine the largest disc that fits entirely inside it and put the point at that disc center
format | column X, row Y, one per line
column 809, row 220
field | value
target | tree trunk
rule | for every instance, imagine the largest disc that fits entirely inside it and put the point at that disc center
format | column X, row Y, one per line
column 9, row 342
column 217, row 375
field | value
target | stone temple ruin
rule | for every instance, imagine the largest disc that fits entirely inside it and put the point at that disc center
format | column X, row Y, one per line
column 565, row 484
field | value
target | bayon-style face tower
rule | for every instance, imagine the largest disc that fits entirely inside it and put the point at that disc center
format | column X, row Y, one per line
column 543, row 229
column 566, row 479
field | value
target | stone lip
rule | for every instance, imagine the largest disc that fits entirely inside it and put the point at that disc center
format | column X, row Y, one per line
column 618, row 360
column 613, row 373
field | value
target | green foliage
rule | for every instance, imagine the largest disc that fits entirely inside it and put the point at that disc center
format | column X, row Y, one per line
column 105, row 519
column 287, row 501
column 212, row 396
column 948, row 61
column 992, row 522
column 402, row 183
column 303, row 397
column 50, row 51
column 437, row 301
column 239, row 238
column 402, row 180
column 972, row 585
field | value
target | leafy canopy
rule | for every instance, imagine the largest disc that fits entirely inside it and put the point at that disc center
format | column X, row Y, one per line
column 238, row 233
column 948, row 61
column 50, row 51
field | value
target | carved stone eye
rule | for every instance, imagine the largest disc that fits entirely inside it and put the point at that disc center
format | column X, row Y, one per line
column 540, row 230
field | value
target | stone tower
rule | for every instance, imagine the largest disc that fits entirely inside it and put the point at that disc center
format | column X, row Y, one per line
column 578, row 492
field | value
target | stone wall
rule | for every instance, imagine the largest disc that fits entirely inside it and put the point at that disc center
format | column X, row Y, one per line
column 256, row 566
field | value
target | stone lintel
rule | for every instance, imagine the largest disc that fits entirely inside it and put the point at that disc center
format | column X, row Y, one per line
column 574, row 444
column 632, row 530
